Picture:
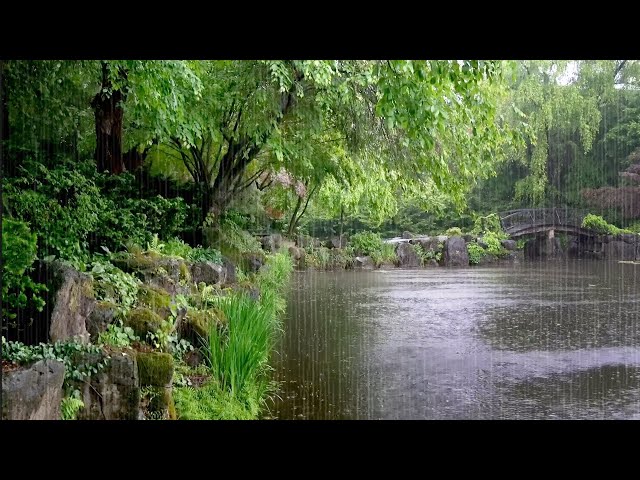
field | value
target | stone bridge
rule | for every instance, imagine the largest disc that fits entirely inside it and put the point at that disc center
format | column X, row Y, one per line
column 537, row 221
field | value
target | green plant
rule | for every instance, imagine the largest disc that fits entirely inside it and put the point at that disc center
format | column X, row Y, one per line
column 494, row 247
column 238, row 351
column 454, row 231
column 18, row 254
column 117, row 336
column 601, row 226
column 210, row 402
column 489, row 224
column 114, row 285
column 318, row 257
column 71, row 405
column 476, row 252
column 366, row 243
column 71, row 353
column 520, row 243
column 199, row 254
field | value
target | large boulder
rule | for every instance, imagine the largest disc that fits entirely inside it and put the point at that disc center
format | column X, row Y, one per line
column 271, row 243
column 297, row 253
column 143, row 320
column 231, row 270
column 208, row 272
column 407, row 256
column 509, row 244
column 364, row 263
column 628, row 237
column 407, row 235
column 114, row 392
column 72, row 299
column 455, row 252
column 103, row 315
column 337, row 241
column 33, row 393
column 619, row 250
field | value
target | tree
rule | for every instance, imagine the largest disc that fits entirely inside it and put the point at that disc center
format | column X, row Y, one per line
column 425, row 122
column 560, row 116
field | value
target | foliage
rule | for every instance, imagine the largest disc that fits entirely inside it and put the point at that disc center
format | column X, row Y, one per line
column 18, row 254
column 601, row 226
column 71, row 405
column 476, row 252
column 113, row 285
column 238, row 351
column 454, row 231
column 117, row 336
column 229, row 236
column 385, row 254
column 272, row 279
column 71, row 353
column 318, row 257
column 199, row 254
column 494, row 247
column 75, row 211
column 210, row 402
column 366, row 243
column 489, row 224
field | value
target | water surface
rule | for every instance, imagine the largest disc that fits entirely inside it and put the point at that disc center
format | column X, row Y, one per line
column 548, row 340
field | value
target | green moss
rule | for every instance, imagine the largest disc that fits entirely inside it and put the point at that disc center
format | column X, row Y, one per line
column 142, row 320
column 185, row 274
column 155, row 368
column 154, row 297
column 199, row 322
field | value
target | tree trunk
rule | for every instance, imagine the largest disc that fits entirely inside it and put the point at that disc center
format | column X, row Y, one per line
column 341, row 222
column 108, row 112
column 294, row 221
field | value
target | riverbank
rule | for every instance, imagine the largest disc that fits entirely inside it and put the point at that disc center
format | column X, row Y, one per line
column 169, row 332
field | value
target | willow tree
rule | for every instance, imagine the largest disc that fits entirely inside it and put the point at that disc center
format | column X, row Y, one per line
column 561, row 118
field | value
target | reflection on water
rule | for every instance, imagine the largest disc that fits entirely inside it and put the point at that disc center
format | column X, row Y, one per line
column 532, row 341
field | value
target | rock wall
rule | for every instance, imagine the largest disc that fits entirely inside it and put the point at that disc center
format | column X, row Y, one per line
column 33, row 393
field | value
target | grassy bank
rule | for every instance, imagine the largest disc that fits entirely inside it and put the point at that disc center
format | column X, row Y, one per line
column 236, row 353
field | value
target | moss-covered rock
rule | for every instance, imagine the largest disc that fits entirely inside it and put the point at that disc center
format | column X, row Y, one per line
column 197, row 323
column 157, row 403
column 155, row 298
column 143, row 320
column 101, row 317
column 155, row 368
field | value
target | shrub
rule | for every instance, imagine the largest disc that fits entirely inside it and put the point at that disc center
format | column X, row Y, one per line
column 489, row 224
column 18, row 254
column 454, row 231
column 74, row 216
column 494, row 247
column 601, row 226
column 366, row 243
column 476, row 252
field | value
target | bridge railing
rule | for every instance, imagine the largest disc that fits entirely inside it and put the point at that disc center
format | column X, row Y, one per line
column 522, row 218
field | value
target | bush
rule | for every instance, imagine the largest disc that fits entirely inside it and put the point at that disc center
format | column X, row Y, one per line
column 18, row 253
column 489, row 224
column 494, row 247
column 386, row 254
column 476, row 252
column 73, row 216
column 366, row 243
column 601, row 226
column 454, row 231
